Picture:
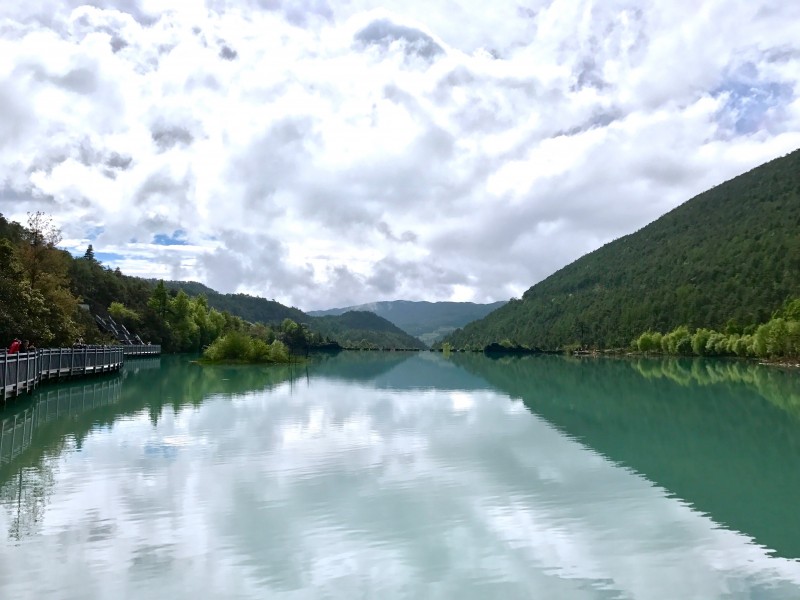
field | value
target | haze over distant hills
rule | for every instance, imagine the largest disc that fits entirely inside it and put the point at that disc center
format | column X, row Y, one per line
column 726, row 259
column 362, row 328
column 429, row 321
column 352, row 329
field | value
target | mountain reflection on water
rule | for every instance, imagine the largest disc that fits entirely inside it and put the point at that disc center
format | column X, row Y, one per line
column 722, row 435
column 408, row 475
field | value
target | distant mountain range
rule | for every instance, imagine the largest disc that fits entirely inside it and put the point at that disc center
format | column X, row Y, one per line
column 428, row 321
column 250, row 308
column 726, row 260
column 352, row 329
column 389, row 324
column 364, row 329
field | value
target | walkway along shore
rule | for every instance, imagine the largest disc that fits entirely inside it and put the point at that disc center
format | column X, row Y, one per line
column 22, row 372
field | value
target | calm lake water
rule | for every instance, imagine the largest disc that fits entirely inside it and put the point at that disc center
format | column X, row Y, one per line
column 392, row 475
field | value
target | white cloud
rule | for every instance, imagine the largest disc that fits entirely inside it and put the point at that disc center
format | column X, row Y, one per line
column 325, row 155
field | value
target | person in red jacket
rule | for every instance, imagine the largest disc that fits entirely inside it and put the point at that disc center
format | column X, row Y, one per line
column 14, row 347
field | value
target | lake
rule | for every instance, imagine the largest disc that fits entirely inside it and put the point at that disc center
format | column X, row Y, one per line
column 406, row 475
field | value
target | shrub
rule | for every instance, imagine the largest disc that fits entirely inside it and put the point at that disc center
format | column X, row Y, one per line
column 677, row 341
column 700, row 340
column 647, row 343
column 717, row 344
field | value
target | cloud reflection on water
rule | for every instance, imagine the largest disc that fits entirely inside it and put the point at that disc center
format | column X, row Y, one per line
column 331, row 487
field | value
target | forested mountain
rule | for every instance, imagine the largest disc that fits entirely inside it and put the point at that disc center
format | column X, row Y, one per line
column 726, row 259
column 429, row 321
column 45, row 293
column 249, row 308
column 363, row 329
column 350, row 329
column 42, row 288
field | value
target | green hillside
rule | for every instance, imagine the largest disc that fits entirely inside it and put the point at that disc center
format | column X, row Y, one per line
column 725, row 259
column 249, row 308
column 362, row 329
column 352, row 329
column 50, row 298
column 429, row 321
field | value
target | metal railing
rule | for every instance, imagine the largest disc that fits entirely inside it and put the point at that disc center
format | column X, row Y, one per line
column 142, row 350
column 21, row 372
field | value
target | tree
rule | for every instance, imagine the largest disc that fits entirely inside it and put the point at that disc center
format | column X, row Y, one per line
column 182, row 323
column 50, row 308
column 89, row 254
column 21, row 308
column 700, row 340
column 159, row 300
column 647, row 343
column 295, row 336
column 39, row 245
column 123, row 314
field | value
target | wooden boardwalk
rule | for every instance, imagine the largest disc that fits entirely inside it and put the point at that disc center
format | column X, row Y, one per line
column 22, row 372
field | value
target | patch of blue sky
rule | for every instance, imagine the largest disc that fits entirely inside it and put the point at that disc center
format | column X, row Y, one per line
column 177, row 238
column 752, row 105
column 108, row 256
column 94, row 232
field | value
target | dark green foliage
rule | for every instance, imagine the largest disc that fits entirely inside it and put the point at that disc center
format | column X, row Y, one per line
column 249, row 308
column 41, row 287
column 361, row 329
column 777, row 338
column 356, row 330
column 429, row 321
column 11, row 230
column 240, row 347
column 35, row 302
column 726, row 259
column 20, row 305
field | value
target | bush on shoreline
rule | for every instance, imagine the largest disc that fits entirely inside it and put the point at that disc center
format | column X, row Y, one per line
column 777, row 338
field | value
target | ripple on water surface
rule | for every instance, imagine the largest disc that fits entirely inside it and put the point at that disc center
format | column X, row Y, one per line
column 340, row 486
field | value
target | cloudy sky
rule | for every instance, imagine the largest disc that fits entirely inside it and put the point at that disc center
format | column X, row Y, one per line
column 331, row 153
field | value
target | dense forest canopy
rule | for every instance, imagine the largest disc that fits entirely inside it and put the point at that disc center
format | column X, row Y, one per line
column 726, row 260
column 49, row 297
column 429, row 321
column 362, row 329
column 350, row 329
column 250, row 308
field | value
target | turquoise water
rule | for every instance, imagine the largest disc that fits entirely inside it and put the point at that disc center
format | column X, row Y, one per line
column 395, row 475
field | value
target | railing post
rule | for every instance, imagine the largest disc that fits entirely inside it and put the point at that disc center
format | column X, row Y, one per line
column 37, row 366
column 17, row 377
column 28, row 374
